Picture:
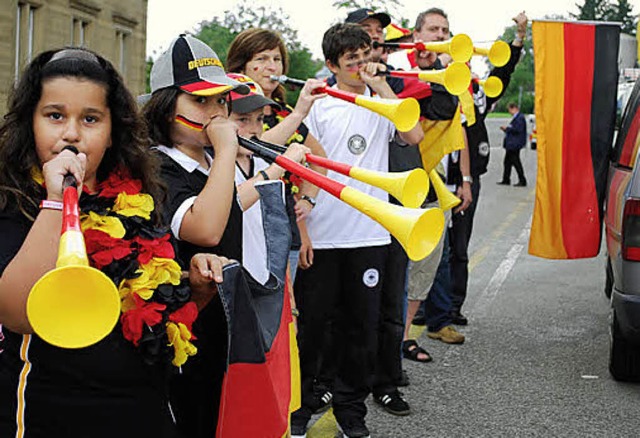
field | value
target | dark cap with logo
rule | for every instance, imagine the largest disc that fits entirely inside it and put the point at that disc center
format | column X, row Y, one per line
column 359, row 15
column 192, row 66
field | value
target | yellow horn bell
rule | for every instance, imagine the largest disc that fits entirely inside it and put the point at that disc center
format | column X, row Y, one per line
column 410, row 187
column 73, row 305
column 417, row 230
column 460, row 47
column 404, row 113
column 492, row 86
column 499, row 53
column 446, row 199
column 455, row 78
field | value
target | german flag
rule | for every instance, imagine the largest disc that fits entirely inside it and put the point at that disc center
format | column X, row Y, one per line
column 576, row 75
column 261, row 385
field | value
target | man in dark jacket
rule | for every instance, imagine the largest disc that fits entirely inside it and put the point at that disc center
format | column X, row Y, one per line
column 515, row 139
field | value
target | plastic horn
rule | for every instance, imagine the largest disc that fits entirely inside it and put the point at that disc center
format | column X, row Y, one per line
column 446, row 199
column 460, row 47
column 492, row 86
column 404, row 113
column 73, row 305
column 499, row 53
column 455, row 78
column 417, row 230
column 410, row 187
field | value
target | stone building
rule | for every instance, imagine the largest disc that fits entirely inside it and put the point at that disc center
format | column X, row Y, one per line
column 114, row 28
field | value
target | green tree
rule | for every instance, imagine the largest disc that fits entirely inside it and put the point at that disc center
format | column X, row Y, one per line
column 219, row 35
column 622, row 11
column 593, row 10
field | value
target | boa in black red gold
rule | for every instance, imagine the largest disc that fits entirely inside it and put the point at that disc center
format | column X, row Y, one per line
column 122, row 242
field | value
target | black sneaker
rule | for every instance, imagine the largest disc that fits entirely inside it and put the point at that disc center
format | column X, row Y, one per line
column 354, row 428
column 458, row 318
column 419, row 320
column 322, row 401
column 298, row 429
column 393, row 403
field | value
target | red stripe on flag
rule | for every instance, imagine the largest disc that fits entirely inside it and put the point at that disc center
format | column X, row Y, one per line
column 579, row 203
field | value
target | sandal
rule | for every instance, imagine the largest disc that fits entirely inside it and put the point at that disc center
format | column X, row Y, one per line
column 411, row 350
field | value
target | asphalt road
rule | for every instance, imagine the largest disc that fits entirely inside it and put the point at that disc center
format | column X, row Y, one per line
column 534, row 363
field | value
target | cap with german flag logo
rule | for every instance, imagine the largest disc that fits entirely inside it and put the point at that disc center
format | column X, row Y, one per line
column 243, row 104
column 192, row 66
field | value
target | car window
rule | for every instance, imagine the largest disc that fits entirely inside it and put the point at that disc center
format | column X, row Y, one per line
column 628, row 139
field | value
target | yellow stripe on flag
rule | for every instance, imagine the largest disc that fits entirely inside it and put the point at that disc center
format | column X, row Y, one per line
column 546, row 228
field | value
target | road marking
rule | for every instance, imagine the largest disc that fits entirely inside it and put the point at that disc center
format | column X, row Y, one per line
column 490, row 292
column 326, row 425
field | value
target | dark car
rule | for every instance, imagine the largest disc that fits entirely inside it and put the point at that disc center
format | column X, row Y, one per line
column 622, row 231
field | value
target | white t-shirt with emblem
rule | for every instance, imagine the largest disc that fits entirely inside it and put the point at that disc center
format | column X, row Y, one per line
column 356, row 136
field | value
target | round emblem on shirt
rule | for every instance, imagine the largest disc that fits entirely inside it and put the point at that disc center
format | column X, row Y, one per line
column 483, row 149
column 357, row 144
column 371, row 277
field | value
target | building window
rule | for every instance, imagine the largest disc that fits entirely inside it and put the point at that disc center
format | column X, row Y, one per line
column 25, row 18
column 79, row 32
column 122, row 49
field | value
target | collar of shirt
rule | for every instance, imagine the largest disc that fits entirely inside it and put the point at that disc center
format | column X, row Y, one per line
column 185, row 161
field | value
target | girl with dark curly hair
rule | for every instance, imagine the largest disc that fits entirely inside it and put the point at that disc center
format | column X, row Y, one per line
column 117, row 386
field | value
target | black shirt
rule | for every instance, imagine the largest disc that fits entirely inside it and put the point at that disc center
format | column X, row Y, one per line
column 183, row 185
column 105, row 390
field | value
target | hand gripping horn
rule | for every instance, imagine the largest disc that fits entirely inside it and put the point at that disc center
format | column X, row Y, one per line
column 417, row 230
column 410, row 187
column 73, row 305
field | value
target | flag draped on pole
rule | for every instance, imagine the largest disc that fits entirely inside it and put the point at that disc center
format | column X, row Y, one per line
column 576, row 75
column 261, row 384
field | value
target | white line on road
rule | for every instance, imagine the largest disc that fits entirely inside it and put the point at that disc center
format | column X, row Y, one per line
column 490, row 292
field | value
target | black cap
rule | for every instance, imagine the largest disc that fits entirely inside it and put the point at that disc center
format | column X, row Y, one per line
column 359, row 15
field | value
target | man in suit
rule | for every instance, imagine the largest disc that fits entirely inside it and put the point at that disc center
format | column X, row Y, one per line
column 515, row 139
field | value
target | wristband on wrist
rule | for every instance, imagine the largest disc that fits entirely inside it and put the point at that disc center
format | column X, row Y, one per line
column 309, row 199
column 264, row 174
column 468, row 179
column 47, row 204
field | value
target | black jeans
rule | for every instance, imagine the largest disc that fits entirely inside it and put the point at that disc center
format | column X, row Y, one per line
column 342, row 286
column 512, row 159
column 460, row 234
column 388, row 369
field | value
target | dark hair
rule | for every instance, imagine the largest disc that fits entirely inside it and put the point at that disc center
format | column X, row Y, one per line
column 512, row 105
column 430, row 11
column 342, row 38
column 156, row 113
column 18, row 157
column 251, row 41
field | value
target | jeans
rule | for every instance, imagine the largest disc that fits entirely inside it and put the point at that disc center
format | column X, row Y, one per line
column 438, row 305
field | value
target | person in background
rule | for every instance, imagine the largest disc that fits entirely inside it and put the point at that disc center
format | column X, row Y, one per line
column 515, row 138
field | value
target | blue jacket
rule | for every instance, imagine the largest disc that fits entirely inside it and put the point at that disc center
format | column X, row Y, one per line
column 516, row 133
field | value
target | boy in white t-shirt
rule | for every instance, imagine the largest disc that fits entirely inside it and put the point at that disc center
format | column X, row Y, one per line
column 350, row 249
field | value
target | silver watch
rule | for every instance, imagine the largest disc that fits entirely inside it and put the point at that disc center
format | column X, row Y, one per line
column 468, row 179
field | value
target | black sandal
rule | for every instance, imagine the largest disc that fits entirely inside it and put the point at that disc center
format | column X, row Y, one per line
column 411, row 350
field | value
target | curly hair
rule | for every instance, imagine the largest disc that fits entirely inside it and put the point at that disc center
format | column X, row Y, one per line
column 18, row 155
column 251, row 41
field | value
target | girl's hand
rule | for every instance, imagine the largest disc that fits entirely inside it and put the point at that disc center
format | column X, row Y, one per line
column 205, row 271
column 303, row 209
column 297, row 152
column 223, row 135
column 306, row 97
column 54, row 171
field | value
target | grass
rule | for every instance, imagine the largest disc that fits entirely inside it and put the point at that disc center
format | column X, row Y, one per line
column 498, row 115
